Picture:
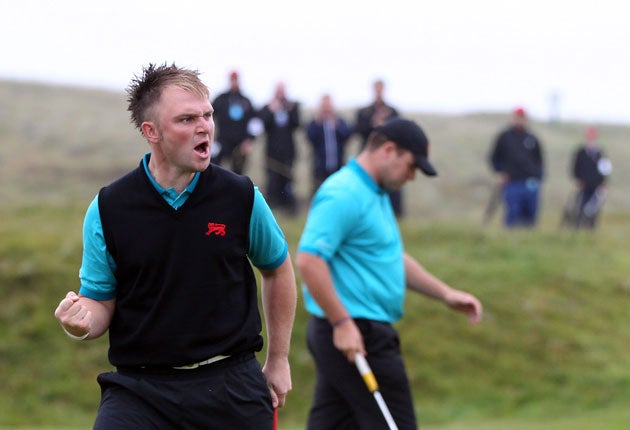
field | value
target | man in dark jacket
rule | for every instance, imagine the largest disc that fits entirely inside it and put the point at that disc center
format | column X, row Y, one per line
column 327, row 133
column 517, row 159
column 371, row 116
column 233, row 112
column 281, row 118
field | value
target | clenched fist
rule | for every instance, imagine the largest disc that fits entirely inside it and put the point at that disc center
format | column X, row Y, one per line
column 75, row 318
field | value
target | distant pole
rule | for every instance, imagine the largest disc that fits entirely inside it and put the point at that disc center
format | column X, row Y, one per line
column 554, row 107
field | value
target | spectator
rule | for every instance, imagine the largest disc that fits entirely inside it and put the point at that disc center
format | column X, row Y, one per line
column 281, row 118
column 371, row 116
column 517, row 158
column 327, row 133
column 233, row 112
column 589, row 170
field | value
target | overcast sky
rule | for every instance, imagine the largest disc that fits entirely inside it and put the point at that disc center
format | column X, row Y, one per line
column 445, row 56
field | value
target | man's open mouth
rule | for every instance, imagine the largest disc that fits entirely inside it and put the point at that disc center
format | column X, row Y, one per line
column 203, row 149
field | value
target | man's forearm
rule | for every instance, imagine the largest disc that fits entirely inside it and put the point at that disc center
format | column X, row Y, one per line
column 279, row 299
column 420, row 280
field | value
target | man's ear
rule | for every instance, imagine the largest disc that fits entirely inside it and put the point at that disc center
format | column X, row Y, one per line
column 389, row 147
column 150, row 131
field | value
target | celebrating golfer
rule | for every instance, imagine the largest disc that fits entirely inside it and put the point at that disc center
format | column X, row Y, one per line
column 166, row 270
column 355, row 272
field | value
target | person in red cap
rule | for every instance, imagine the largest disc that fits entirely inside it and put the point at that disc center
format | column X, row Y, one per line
column 517, row 158
column 590, row 170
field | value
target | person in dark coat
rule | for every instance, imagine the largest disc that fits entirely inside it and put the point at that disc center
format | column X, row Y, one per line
column 590, row 169
column 281, row 118
column 374, row 115
column 233, row 112
column 328, row 134
column 517, row 159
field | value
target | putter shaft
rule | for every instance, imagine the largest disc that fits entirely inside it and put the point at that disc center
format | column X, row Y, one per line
column 372, row 385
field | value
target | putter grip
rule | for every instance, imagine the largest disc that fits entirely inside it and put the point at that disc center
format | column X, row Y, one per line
column 366, row 372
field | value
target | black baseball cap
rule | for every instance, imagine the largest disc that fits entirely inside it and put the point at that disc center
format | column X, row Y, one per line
column 408, row 135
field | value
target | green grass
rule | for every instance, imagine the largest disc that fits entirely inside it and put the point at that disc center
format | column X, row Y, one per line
column 553, row 342
column 552, row 352
column 616, row 419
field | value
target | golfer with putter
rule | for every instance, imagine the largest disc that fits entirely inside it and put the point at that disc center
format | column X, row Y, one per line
column 166, row 269
column 355, row 274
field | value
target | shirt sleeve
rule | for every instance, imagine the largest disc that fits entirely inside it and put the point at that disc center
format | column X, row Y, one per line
column 97, row 267
column 332, row 216
column 268, row 247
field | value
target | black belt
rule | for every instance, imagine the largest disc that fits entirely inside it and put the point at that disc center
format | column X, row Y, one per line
column 211, row 363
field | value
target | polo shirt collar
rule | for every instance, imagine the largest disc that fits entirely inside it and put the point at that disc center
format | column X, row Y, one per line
column 365, row 177
column 170, row 195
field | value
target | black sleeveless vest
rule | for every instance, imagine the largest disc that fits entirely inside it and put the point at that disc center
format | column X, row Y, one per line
column 186, row 290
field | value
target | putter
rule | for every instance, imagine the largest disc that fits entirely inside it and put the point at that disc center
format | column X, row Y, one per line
column 275, row 418
column 372, row 385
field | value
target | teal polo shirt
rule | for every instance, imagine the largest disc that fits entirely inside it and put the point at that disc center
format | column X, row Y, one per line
column 268, row 247
column 352, row 226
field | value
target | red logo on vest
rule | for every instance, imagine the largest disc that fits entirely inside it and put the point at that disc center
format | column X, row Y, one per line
column 216, row 229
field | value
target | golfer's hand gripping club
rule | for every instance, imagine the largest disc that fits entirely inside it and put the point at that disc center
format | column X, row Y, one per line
column 366, row 372
column 372, row 385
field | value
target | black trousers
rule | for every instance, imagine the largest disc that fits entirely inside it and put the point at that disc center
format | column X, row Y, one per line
column 341, row 400
column 231, row 158
column 279, row 193
column 589, row 207
column 223, row 395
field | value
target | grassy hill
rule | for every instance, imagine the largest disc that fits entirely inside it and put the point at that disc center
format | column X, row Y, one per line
column 553, row 348
column 62, row 142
